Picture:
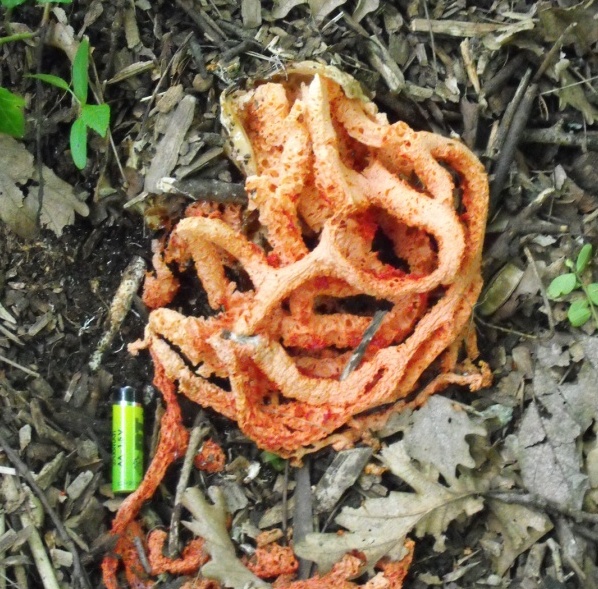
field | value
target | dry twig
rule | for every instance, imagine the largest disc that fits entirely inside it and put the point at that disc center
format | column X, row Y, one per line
column 79, row 575
column 121, row 304
column 500, row 249
column 198, row 433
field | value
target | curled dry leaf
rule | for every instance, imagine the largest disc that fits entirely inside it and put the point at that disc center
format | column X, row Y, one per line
column 18, row 208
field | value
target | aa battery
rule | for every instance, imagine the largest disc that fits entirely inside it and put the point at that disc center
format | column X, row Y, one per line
column 127, row 440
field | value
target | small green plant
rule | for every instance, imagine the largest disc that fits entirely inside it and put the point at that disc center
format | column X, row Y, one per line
column 581, row 309
column 90, row 116
column 275, row 461
column 12, row 113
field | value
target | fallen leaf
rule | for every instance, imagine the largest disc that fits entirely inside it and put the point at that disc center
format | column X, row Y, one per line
column 17, row 165
column 320, row 9
column 554, row 21
column 282, row 7
column 520, row 528
column 363, row 8
column 590, row 348
column 572, row 93
column 209, row 522
column 447, row 447
column 548, row 453
column 12, row 117
column 379, row 526
column 19, row 193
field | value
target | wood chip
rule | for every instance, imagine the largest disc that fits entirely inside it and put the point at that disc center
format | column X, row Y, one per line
column 339, row 476
column 168, row 148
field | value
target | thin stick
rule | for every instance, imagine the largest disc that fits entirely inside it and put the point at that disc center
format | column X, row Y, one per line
column 285, row 501
column 19, row 366
column 205, row 190
column 556, row 136
column 79, row 574
column 2, row 552
column 532, row 263
column 432, row 43
column 506, row 329
column 147, row 567
column 512, row 138
column 303, row 515
column 493, row 85
column 519, row 122
column 39, row 117
column 198, row 433
column 198, row 17
column 507, row 117
column 38, row 550
column 541, row 504
column 500, row 249
column 368, row 336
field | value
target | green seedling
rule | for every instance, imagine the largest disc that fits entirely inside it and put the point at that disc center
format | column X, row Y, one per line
column 12, row 113
column 581, row 309
column 90, row 116
column 10, row 4
column 275, row 461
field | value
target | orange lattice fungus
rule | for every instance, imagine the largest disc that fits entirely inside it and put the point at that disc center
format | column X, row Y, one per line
column 351, row 221
column 355, row 215
column 210, row 458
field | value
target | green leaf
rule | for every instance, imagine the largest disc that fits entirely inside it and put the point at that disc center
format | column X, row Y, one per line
column 96, row 117
column 12, row 115
column 592, row 290
column 11, row 3
column 53, row 80
column 79, row 143
column 579, row 312
column 275, row 461
column 583, row 258
column 80, row 66
column 562, row 285
column 570, row 264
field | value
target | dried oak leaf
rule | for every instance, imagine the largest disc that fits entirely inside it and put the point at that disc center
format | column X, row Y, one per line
column 554, row 21
column 548, row 452
column 379, row 526
column 520, row 528
column 209, row 521
column 19, row 193
column 438, row 436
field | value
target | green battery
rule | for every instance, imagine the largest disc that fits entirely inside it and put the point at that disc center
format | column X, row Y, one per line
column 127, row 440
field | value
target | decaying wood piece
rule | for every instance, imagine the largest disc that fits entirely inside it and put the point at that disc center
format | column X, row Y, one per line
column 168, row 148
column 119, row 308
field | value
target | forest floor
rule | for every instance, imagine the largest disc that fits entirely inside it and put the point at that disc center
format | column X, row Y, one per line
column 498, row 488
